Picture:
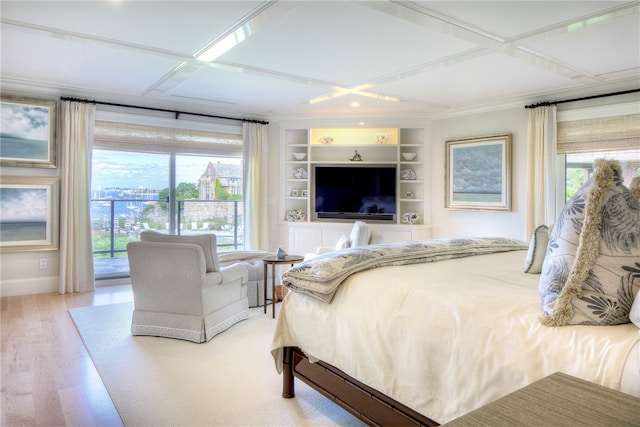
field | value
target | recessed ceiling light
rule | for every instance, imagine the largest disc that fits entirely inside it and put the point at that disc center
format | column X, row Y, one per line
column 355, row 104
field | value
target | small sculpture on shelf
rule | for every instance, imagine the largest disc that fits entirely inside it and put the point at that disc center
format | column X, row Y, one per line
column 280, row 253
column 296, row 215
column 407, row 174
column 326, row 139
column 300, row 173
column 356, row 157
column 410, row 217
column 382, row 138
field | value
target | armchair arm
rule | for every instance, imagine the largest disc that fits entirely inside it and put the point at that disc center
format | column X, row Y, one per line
column 234, row 272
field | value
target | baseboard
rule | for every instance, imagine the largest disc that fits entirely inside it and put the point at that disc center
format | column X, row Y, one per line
column 39, row 285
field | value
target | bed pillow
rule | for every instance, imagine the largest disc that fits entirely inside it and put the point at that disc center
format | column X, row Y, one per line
column 360, row 234
column 537, row 250
column 590, row 273
column 343, row 243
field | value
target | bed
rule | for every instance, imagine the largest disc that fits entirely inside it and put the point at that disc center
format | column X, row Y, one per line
column 425, row 339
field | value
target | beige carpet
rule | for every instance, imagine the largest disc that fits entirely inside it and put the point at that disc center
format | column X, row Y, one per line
column 229, row 381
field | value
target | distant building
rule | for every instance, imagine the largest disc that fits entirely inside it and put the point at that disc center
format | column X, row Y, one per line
column 230, row 178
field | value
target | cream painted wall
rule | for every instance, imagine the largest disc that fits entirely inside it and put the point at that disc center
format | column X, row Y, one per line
column 457, row 223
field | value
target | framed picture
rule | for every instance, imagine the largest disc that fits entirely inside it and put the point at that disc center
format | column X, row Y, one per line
column 294, row 193
column 28, row 133
column 28, row 214
column 478, row 173
column 304, row 193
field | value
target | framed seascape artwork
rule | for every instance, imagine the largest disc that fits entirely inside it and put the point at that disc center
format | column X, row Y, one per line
column 28, row 214
column 27, row 133
column 478, row 173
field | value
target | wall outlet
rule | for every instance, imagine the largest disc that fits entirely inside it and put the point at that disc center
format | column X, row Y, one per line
column 43, row 263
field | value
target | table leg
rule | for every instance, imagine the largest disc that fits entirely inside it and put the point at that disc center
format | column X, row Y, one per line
column 273, row 291
column 264, row 279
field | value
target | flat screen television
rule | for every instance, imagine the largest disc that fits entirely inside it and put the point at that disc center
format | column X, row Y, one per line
column 355, row 192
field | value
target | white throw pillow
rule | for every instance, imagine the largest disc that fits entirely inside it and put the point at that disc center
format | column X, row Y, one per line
column 360, row 234
column 343, row 243
column 537, row 250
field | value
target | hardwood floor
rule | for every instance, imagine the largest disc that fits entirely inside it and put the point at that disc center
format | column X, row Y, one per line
column 47, row 377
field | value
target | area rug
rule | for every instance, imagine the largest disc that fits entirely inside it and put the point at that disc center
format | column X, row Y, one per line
column 229, row 381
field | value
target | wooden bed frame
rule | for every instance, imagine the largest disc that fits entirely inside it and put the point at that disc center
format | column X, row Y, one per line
column 369, row 405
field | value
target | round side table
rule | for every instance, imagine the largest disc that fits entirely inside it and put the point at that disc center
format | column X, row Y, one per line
column 273, row 261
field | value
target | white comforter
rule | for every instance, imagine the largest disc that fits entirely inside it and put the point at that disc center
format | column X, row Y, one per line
column 445, row 338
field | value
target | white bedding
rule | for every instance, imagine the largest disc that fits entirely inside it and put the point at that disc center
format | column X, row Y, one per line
column 445, row 338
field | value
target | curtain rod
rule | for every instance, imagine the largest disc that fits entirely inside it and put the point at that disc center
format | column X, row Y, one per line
column 546, row 104
column 177, row 113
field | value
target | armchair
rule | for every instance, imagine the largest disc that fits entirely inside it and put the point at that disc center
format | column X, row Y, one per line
column 181, row 291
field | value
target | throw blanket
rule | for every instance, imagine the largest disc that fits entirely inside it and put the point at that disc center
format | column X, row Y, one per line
column 321, row 276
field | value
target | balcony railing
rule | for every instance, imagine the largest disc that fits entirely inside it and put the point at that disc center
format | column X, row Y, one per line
column 116, row 222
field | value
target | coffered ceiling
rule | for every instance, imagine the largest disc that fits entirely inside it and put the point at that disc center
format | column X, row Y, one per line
column 286, row 59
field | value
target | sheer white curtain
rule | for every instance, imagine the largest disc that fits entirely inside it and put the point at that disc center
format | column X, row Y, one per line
column 541, row 168
column 76, row 141
column 256, row 174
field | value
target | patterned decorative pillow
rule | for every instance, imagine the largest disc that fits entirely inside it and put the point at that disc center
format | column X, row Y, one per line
column 590, row 273
column 634, row 187
column 634, row 314
column 537, row 250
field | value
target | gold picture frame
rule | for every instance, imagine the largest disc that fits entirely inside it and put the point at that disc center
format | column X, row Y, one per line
column 478, row 173
column 28, row 132
column 29, row 214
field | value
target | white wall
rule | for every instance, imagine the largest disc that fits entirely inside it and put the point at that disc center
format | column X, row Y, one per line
column 458, row 223
column 20, row 273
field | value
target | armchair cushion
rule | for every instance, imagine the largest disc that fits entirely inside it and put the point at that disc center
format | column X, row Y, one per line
column 207, row 242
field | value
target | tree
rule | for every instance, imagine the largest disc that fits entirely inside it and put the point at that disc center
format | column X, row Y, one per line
column 222, row 194
column 184, row 191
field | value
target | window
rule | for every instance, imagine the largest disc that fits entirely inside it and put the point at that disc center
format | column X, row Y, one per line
column 579, row 167
column 182, row 178
column 584, row 135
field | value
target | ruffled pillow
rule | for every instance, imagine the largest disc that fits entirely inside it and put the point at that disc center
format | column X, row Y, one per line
column 537, row 250
column 590, row 273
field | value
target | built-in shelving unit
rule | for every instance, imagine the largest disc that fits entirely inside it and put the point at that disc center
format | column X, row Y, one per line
column 303, row 152
column 298, row 170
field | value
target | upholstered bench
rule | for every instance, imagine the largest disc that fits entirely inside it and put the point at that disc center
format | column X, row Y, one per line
column 252, row 260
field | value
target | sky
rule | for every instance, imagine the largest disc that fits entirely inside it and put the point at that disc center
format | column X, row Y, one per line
column 151, row 171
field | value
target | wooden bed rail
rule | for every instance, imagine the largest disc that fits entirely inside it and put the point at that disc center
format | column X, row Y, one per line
column 362, row 401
